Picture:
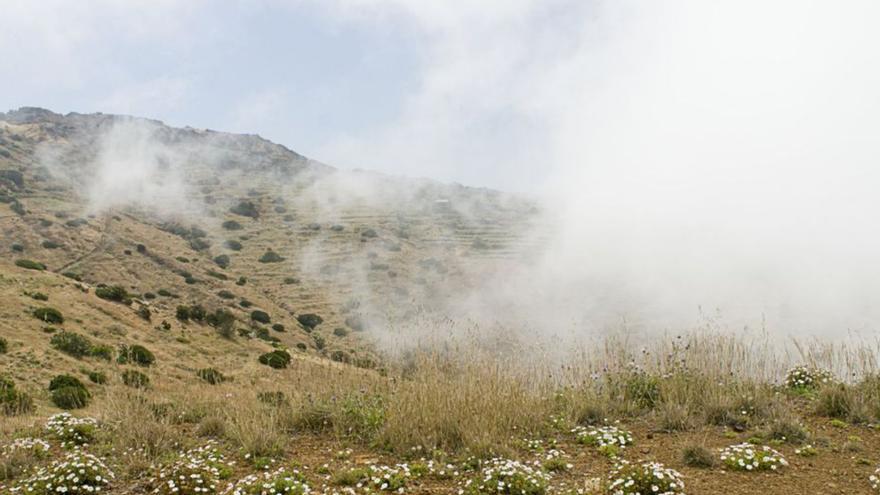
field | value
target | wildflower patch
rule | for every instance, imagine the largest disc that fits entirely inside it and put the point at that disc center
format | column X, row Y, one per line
column 748, row 457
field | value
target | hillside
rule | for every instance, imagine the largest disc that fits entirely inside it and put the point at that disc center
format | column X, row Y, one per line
column 185, row 216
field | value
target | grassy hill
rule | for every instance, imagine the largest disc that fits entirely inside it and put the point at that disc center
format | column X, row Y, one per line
column 215, row 310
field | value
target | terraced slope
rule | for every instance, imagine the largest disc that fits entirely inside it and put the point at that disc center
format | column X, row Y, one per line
column 195, row 217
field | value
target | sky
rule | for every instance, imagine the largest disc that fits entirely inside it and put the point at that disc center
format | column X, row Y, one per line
column 692, row 153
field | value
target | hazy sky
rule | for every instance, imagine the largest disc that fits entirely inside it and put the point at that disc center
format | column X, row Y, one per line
column 702, row 153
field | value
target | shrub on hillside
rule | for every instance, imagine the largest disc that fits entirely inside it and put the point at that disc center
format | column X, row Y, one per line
column 135, row 379
column 260, row 316
column 340, row 356
column 309, row 320
column 115, row 293
column 222, row 261
column 513, row 476
column 49, row 315
column 30, row 264
column 225, row 294
column 135, row 354
column 4, row 346
column 246, row 209
column 223, row 321
column 276, row 359
column 271, row 257
column 232, row 225
column 98, row 377
column 13, row 402
column 340, row 332
column 72, row 344
column 233, row 245
column 278, row 327
column 47, row 244
column 211, row 375
column 68, row 392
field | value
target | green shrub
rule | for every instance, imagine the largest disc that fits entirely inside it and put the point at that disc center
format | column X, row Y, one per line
column 291, row 281
column 49, row 315
column 340, row 357
column 30, row 265
column 4, row 346
column 271, row 257
column 697, row 456
column 47, row 244
column 244, row 303
column 62, row 381
column 98, row 377
column 104, row 352
column 72, row 344
column 222, row 261
column 232, row 225
column 165, row 293
column 73, row 276
column 225, row 294
column 278, row 327
column 68, row 392
column 233, row 245
column 340, row 332
column 135, row 379
column 115, row 293
column 211, row 376
column 276, row 359
column 309, row 320
column 223, row 321
column 39, row 296
column 144, row 312
column 643, row 390
column 135, row 354
column 260, row 316
column 182, row 313
column 241, row 281
column 246, row 209
column 12, row 401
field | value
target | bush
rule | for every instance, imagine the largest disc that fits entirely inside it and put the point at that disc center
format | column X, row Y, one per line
column 182, row 313
column 233, row 245
column 309, row 320
column 277, row 359
column 144, row 312
column 223, row 321
column 651, row 477
column 697, row 456
column 225, row 294
column 260, row 316
column 104, row 352
column 271, row 257
column 70, row 429
column 98, row 377
column 4, row 346
column 30, row 265
column 115, row 293
column 340, row 357
column 73, row 276
column 12, row 401
column 62, row 381
column 72, row 344
column 246, row 209
column 39, row 296
column 222, row 261
column 217, row 275
column 135, row 354
column 241, row 281
column 68, row 392
column 244, row 303
column 49, row 315
column 340, row 332
column 278, row 327
column 836, row 401
column 135, row 379
column 211, row 376
column 47, row 244
column 232, row 225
